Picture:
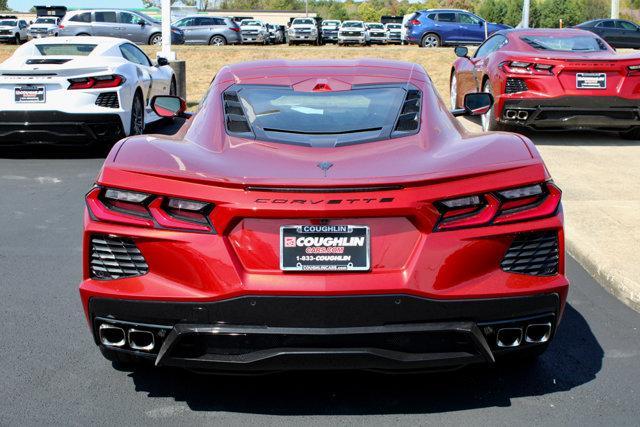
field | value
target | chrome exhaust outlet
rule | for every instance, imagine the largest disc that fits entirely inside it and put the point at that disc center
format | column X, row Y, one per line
column 538, row 333
column 523, row 115
column 141, row 340
column 509, row 337
column 511, row 114
column 111, row 336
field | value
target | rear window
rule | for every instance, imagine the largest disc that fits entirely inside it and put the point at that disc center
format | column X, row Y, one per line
column 46, row 21
column 566, row 44
column 65, row 49
column 394, row 26
column 318, row 118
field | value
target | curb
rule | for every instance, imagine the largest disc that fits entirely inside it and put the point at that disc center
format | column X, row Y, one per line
column 612, row 282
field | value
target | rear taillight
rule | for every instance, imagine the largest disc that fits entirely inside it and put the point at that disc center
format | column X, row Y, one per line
column 148, row 210
column 96, row 82
column 499, row 207
column 415, row 22
column 521, row 67
column 236, row 29
column 633, row 70
column 61, row 26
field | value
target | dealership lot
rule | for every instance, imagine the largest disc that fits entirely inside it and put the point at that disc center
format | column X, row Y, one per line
column 54, row 374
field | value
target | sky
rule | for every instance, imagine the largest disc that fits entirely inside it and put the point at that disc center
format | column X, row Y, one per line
column 25, row 5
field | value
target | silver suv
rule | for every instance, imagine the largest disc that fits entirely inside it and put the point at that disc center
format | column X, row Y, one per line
column 213, row 30
column 125, row 24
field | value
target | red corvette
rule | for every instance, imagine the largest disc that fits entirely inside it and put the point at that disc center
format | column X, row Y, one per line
column 548, row 79
column 323, row 215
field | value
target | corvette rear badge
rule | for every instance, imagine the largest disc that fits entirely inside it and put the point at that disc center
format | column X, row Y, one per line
column 325, row 166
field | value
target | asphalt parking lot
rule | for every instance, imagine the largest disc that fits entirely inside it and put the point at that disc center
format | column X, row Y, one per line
column 53, row 374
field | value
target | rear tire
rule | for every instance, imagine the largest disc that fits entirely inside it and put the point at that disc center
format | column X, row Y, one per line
column 155, row 39
column 136, row 127
column 217, row 40
column 489, row 121
column 632, row 134
column 430, row 40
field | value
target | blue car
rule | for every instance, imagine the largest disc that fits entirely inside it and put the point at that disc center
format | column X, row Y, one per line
column 439, row 27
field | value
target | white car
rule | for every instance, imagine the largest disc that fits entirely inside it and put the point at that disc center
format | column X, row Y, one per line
column 44, row 26
column 303, row 30
column 353, row 32
column 254, row 31
column 377, row 32
column 79, row 90
column 13, row 30
column 394, row 32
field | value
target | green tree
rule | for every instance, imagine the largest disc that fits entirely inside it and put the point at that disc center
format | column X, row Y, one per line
column 4, row 5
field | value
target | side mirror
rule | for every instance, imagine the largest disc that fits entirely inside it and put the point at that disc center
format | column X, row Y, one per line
column 168, row 106
column 481, row 23
column 462, row 51
column 162, row 61
column 142, row 23
column 475, row 104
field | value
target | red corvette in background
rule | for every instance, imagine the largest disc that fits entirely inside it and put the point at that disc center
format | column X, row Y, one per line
column 549, row 79
column 323, row 215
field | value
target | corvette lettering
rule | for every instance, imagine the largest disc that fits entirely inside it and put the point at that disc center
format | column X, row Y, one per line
column 324, row 201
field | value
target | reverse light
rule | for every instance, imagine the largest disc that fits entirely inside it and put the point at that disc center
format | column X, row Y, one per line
column 149, row 210
column 96, row 82
column 500, row 207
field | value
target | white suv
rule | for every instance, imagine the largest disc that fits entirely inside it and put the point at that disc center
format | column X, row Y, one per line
column 353, row 32
column 13, row 30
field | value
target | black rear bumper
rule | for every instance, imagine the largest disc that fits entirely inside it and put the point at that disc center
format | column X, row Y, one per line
column 574, row 112
column 55, row 127
column 267, row 333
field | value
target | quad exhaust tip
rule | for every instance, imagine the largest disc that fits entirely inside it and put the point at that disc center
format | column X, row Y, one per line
column 509, row 337
column 111, row 336
column 141, row 340
column 511, row 114
column 523, row 115
column 538, row 333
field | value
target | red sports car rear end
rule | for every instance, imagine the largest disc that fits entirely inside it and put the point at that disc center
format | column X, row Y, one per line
column 550, row 79
column 319, row 215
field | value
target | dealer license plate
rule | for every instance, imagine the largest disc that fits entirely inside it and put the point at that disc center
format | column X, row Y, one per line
column 30, row 94
column 591, row 81
column 324, row 248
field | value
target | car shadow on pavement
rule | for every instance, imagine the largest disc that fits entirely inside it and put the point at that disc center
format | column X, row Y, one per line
column 574, row 358
column 579, row 138
column 94, row 151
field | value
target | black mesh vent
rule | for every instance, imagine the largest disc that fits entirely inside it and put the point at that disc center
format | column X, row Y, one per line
column 532, row 253
column 409, row 119
column 108, row 99
column 116, row 257
column 515, row 85
column 234, row 116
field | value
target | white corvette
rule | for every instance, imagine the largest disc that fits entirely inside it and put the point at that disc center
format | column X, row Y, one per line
column 79, row 90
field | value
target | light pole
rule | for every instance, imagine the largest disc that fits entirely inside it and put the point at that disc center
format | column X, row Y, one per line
column 525, row 13
column 165, row 6
column 615, row 9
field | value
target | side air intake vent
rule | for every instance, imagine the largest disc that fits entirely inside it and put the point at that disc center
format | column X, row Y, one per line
column 515, row 85
column 108, row 100
column 532, row 253
column 115, row 258
column 234, row 116
column 409, row 120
